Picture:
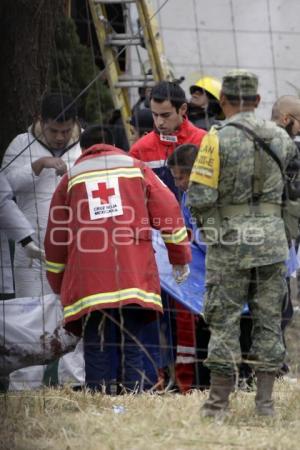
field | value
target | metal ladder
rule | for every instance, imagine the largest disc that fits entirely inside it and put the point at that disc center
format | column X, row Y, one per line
column 110, row 42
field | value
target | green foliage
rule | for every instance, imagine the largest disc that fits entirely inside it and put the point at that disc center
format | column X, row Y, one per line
column 73, row 68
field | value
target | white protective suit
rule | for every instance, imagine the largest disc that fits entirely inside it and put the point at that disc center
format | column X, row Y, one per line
column 13, row 225
column 33, row 195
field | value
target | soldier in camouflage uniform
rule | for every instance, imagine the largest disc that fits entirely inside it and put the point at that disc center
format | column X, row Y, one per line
column 235, row 193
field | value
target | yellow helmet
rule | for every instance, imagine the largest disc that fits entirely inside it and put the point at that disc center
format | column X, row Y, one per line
column 209, row 84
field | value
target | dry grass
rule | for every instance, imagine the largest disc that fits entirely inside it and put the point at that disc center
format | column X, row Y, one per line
column 62, row 419
column 67, row 420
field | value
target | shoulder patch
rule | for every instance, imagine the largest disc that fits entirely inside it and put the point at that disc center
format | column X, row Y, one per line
column 206, row 168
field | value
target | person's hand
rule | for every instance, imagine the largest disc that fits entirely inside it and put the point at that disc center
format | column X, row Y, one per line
column 34, row 252
column 49, row 162
column 180, row 272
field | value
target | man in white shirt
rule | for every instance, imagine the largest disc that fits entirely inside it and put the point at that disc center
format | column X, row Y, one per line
column 33, row 164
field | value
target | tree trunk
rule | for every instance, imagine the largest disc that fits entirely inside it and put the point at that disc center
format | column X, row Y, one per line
column 27, row 36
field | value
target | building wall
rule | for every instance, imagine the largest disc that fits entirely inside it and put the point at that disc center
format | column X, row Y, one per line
column 211, row 37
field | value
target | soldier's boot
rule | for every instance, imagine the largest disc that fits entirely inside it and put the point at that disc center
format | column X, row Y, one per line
column 263, row 399
column 218, row 401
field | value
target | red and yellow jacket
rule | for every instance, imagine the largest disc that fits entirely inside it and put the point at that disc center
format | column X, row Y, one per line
column 99, row 242
column 154, row 149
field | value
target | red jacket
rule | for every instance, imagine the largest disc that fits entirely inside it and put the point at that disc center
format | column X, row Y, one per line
column 155, row 152
column 98, row 242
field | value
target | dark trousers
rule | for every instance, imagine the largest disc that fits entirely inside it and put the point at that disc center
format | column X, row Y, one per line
column 112, row 348
column 202, row 373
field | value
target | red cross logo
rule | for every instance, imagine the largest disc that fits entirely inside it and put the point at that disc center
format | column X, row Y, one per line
column 103, row 193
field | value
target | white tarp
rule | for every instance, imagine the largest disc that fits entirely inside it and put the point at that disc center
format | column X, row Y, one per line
column 31, row 334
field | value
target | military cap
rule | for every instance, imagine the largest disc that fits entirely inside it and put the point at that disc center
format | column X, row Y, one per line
column 240, row 82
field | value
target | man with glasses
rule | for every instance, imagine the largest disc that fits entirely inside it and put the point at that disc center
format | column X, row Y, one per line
column 286, row 113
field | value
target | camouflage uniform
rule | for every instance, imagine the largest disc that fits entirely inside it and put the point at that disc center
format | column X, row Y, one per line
column 245, row 262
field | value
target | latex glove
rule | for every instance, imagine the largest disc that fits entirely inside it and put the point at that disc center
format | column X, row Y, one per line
column 180, row 273
column 34, row 252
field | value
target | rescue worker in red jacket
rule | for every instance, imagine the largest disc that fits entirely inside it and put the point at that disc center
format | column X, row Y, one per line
column 99, row 253
column 171, row 129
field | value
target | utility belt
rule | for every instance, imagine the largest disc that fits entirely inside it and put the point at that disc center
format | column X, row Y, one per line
column 212, row 225
column 250, row 209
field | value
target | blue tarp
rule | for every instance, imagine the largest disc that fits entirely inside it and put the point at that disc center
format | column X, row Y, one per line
column 292, row 262
column 191, row 292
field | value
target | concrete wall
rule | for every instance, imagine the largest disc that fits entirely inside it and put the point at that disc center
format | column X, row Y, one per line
column 210, row 37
